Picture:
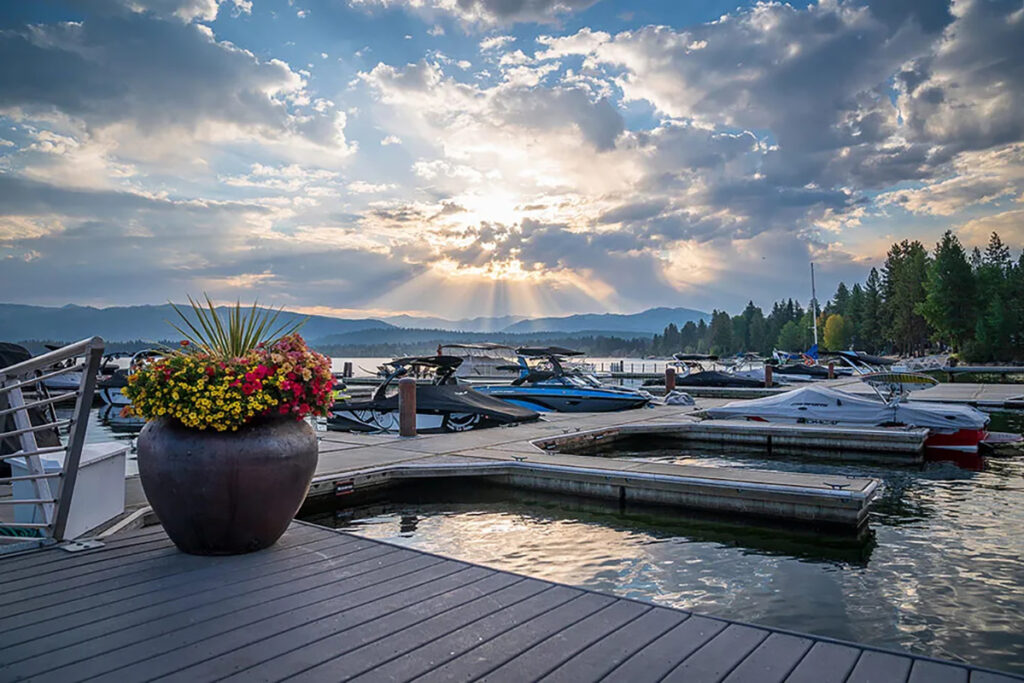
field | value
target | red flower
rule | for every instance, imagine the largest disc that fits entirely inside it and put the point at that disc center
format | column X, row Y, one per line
column 250, row 376
column 291, row 375
column 210, row 372
column 184, row 342
column 283, row 409
column 261, row 371
column 248, row 388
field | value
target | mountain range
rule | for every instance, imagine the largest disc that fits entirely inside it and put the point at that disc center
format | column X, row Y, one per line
column 124, row 323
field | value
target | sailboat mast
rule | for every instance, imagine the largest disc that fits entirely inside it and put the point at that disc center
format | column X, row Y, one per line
column 814, row 307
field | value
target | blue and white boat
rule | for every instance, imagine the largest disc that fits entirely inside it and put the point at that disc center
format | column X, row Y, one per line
column 548, row 387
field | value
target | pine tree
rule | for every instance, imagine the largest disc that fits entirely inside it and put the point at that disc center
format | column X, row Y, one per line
column 688, row 337
column 721, row 333
column 854, row 314
column 903, row 278
column 790, row 337
column 703, row 338
column 993, row 329
column 841, row 301
column 870, row 328
column 949, row 306
column 997, row 255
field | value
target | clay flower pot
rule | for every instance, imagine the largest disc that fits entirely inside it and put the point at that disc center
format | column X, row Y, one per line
column 231, row 492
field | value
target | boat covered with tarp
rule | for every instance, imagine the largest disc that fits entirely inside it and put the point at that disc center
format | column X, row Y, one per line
column 950, row 427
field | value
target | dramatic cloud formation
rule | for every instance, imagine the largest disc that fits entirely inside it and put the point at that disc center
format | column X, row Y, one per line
column 508, row 156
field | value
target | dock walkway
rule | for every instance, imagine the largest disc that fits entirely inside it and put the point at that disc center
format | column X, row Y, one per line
column 362, row 461
column 323, row 605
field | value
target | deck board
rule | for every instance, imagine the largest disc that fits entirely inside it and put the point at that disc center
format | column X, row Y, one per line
column 323, row 605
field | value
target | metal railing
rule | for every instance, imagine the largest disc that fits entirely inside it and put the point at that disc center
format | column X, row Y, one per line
column 39, row 380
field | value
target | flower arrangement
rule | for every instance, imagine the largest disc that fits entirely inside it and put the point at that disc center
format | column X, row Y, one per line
column 224, row 380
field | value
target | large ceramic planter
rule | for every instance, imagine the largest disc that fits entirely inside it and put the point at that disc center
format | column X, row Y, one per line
column 224, row 493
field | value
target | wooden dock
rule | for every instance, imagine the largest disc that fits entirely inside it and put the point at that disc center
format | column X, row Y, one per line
column 324, row 605
column 519, row 456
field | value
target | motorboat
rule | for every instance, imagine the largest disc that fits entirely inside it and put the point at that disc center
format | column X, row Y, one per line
column 109, row 387
column 72, row 380
column 691, row 372
column 444, row 405
column 861, row 363
column 956, row 428
column 547, row 385
column 484, row 361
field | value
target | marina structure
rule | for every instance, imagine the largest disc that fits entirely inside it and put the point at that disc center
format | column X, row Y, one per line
column 122, row 604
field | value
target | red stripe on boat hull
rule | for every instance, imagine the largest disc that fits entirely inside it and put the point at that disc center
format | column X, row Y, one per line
column 963, row 441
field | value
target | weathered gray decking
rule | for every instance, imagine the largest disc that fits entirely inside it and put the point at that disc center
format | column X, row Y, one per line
column 324, row 605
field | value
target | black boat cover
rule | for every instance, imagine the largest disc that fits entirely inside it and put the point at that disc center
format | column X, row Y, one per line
column 547, row 351
column 694, row 356
column 801, row 369
column 452, row 399
column 714, row 378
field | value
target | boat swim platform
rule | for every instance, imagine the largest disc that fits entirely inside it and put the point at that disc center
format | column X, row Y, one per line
column 324, row 605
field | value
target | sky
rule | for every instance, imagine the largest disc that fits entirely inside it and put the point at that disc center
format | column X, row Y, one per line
column 490, row 157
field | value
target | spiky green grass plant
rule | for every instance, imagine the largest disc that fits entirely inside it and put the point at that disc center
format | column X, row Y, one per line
column 239, row 334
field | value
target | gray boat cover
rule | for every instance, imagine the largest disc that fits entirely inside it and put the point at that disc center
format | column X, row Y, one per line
column 823, row 405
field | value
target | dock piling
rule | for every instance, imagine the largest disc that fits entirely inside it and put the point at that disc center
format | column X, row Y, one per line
column 768, row 376
column 670, row 380
column 407, row 406
column 831, row 370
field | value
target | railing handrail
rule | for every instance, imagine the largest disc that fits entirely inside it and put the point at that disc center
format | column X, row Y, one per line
column 51, row 358
column 55, row 507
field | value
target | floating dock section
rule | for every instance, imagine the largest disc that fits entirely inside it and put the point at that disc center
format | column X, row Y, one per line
column 827, row 501
column 828, row 441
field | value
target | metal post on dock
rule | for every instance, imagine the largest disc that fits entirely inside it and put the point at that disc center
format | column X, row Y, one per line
column 346, row 370
column 831, row 370
column 768, row 376
column 670, row 380
column 407, row 406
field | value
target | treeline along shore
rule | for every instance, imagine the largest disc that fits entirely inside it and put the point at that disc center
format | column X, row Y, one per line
column 920, row 301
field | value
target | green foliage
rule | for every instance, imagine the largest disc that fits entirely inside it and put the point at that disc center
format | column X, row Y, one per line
column 791, row 336
column 903, row 289
column 835, row 333
column 236, row 336
column 949, row 306
column 721, row 333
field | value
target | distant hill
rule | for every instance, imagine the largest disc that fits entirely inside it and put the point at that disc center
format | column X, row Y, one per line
column 651, row 321
column 124, row 323
column 479, row 324
column 149, row 323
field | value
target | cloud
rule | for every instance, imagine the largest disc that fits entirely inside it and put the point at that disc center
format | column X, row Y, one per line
column 159, row 78
column 489, row 12
column 362, row 187
column 968, row 94
column 496, row 42
column 1009, row 225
